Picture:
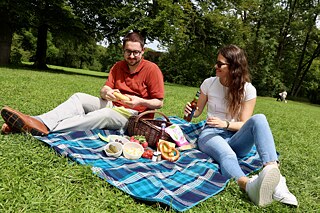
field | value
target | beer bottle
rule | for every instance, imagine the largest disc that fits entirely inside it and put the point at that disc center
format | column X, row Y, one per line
column 188, row 117
column 162, row 133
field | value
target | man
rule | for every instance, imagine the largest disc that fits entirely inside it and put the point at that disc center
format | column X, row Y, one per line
column 135, row 77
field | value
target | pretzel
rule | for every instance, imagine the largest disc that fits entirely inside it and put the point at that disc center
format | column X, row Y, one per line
column 121, row 97
column 167, row 152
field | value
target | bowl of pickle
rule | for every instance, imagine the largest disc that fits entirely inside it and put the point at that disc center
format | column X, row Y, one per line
column 113, row 149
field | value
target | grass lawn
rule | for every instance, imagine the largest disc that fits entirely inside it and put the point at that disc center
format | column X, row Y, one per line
column 34, row 178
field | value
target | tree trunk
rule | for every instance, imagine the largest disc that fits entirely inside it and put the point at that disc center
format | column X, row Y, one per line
column 6, row 33
column 315, row 54
column 41, row 53
column 299, row 69
column 284, row 31
column 298, row 78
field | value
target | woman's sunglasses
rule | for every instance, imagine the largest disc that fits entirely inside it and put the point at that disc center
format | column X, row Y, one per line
column 220, row 64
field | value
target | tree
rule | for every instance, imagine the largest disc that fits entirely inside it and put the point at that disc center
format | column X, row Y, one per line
column 14, row 15
column 279, row 36
column 58, row 17
column 5, row 37
column 310, row 49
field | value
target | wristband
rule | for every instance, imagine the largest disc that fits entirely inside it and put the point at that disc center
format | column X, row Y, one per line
column 228, row 124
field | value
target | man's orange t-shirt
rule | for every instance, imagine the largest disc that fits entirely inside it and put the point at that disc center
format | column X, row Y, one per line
column 146, row 82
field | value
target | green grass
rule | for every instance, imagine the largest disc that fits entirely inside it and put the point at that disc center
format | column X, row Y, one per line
column 34, row 178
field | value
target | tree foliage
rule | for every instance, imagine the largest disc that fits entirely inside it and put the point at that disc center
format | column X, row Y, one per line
column 14, row 15
column 280, row 37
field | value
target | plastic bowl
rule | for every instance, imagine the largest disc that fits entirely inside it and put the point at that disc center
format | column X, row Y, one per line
column 117, row 145
column 132, row 150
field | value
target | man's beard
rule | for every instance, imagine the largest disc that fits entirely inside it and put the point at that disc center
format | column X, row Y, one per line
column 132, row 62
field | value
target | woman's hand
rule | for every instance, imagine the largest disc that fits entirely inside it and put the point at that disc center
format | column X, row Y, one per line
column 216, row 122
column 187, row 109
column 200, row 105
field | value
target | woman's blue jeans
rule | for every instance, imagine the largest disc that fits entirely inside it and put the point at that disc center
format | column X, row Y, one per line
column 225, row 146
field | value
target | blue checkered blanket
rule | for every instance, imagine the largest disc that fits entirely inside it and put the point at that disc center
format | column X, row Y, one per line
column 181, row 185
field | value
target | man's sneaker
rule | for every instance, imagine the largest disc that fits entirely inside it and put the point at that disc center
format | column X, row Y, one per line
column 283, row 195
column 260, row 188
column 23, row 123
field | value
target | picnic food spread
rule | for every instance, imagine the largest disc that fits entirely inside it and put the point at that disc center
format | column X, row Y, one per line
column 165, row 149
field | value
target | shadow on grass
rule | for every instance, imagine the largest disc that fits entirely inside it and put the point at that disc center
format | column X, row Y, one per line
column 58, row 71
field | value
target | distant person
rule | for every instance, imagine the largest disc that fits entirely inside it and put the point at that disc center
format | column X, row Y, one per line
column 231, row 130
column 138, row 79
column 282, row 96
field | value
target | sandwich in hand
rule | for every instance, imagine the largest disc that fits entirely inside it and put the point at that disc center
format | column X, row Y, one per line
column 121, row 97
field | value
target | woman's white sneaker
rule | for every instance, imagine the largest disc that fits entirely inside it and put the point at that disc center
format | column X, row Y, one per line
column 261, row 188
column 283, row 195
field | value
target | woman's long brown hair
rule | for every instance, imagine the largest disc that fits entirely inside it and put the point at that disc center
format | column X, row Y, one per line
column 238, row 76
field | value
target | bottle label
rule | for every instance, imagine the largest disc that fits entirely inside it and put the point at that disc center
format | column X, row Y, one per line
column 192, row 113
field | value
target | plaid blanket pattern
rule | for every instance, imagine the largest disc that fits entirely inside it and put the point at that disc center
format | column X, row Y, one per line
column 181, row 185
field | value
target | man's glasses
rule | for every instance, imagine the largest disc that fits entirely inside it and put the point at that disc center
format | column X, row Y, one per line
column 220, row 64
column 134, row 52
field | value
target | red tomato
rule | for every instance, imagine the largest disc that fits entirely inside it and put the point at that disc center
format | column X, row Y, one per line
column 144, row 144
column 132, row 139
column 147, row 154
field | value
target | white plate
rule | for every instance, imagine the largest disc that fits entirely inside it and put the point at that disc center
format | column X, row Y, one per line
column 114, row 138
column 117, row 138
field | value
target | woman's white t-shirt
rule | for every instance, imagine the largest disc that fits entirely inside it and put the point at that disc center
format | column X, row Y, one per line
column 216, row 93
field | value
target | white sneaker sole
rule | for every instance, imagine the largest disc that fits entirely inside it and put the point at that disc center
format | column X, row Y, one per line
column 287, row 201
column 270, row 177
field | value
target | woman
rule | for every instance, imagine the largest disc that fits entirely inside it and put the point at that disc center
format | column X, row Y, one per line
column 230, row 131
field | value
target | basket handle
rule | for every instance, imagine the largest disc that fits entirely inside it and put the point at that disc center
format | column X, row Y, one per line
column 149, row 112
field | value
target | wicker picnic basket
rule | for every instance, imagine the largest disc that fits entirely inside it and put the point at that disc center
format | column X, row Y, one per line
column 150, row 128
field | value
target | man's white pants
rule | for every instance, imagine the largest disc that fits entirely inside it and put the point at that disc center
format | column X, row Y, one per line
column 83, row 112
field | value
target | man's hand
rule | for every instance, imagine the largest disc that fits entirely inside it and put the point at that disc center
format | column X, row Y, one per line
column 134, row 101
column 106, row 93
